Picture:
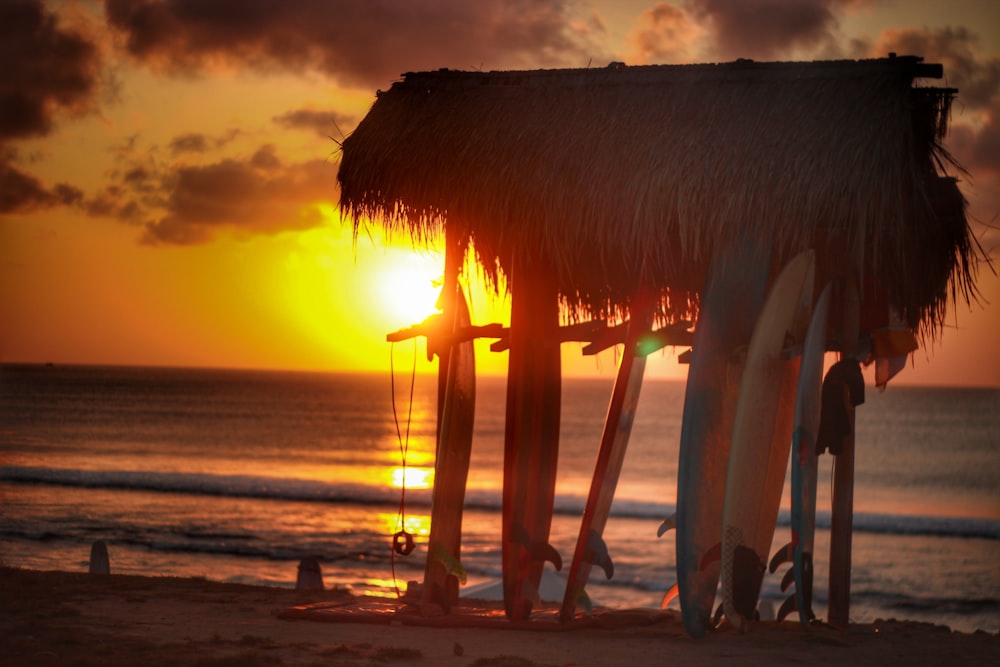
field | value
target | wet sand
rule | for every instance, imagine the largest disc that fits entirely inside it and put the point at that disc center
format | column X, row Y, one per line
column 62, row 618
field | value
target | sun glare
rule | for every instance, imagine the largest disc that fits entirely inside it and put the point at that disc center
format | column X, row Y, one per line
column 409, row 286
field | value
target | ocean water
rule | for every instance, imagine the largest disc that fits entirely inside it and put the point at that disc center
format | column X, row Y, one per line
column 237, row 475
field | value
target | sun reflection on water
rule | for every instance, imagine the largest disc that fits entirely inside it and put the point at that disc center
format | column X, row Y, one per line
column 412, row 477
column 416, row 524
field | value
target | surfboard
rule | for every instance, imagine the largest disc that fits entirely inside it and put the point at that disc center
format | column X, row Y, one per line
column 590, row 547
column 762, row 433
column 457, row 406
column 805, row 466
column 531, row 439
column 730, row 303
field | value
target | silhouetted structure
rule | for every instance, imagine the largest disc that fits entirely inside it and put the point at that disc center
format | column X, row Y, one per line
column 586, row 188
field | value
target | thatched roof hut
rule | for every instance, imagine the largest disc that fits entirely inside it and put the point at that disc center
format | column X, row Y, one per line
column 625, row 175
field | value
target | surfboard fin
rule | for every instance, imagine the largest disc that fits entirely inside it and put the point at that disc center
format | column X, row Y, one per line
column 543, row 551
column 717, row 616
column 787, row 580
column 670, row 523
column 450, row 563
column 597, row 554
column 787, row 607
column 782, row 555
column 748, row 574
column 669, row 596
column 710, row 556
column 538, row 551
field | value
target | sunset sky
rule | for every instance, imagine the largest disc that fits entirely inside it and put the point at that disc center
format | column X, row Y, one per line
column 168, row 167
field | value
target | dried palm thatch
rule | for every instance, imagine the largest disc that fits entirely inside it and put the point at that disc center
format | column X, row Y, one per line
column 623, row 176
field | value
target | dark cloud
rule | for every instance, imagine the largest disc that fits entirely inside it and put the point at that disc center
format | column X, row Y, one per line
column 986, row 154
column 977, row 149
column 977, row 79
column 138, row 178
column 179, row 204
column 266, row 158
column 196, row 142
column 358, row 43
column 46, row 67
column 185, row 204
column 324, row 123
column 767, row 29
column 260, row 195
column 22, row 192
column 193, row 142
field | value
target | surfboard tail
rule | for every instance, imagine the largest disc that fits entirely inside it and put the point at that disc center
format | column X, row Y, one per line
column 734, row 293
column 590, row 548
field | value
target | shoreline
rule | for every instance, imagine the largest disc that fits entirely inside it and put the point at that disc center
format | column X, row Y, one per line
column 60, row 618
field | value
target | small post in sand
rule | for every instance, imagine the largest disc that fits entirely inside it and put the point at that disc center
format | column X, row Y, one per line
column 99, row 561
column 310, row 575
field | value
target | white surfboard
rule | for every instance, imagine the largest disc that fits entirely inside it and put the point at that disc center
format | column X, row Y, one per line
column 799, row 550
column 762, row 434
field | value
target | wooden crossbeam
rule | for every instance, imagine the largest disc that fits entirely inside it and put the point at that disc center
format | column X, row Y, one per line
column 606, row 337
column 578, row 332
column 672, row 334
column 596, row 333
column 432, row 328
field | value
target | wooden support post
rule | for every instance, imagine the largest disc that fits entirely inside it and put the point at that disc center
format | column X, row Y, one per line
column 841, row 533
column 841, row 523
column 531, row 441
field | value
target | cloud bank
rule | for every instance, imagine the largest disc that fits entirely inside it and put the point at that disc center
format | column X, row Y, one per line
column 54, row 68
column 184, row 204
column 362, row 44
column 47, row 69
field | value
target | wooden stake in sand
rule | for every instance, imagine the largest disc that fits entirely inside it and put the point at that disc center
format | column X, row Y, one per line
column 310, row 575
column 99, row 562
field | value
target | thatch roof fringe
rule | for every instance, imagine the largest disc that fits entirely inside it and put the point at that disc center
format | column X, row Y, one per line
column 602, row 171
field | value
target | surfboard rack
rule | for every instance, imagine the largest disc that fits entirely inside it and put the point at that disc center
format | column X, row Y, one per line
column 578, row 332
column 597, row 335
column 433, row 328
column 677, row 333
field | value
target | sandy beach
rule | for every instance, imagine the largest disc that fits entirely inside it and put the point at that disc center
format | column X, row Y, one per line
column 61, row 618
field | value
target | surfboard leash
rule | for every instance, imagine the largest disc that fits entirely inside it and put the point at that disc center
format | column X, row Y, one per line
column 402, row 540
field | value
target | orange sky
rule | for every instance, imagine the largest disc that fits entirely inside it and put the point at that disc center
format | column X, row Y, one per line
column 168, row 170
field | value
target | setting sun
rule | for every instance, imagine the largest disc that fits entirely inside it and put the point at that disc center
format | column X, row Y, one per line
column 409, row 286
column 325, row 302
